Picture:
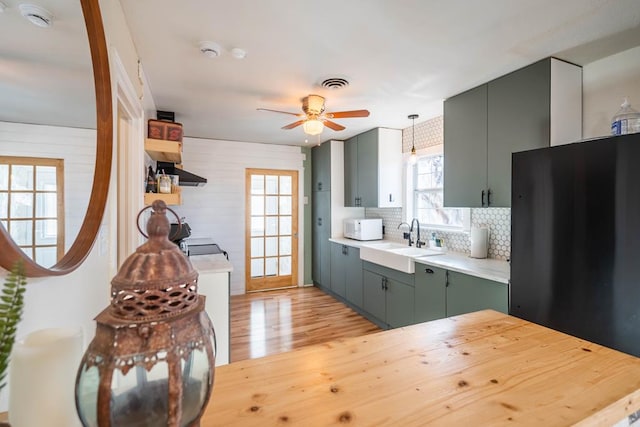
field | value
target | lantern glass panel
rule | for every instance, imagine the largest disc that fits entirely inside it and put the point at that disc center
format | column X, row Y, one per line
column 195, row 383
column 140, row 398
column 87, row 395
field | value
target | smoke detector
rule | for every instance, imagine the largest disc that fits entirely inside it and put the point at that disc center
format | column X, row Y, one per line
column 210, row 49
column 36, row 15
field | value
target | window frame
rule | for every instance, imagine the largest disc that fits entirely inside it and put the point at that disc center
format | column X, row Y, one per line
column 30, row 250
column 411, row 182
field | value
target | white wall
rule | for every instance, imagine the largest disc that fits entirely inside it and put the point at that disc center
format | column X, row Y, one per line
column 217, row 209
column 605, row 84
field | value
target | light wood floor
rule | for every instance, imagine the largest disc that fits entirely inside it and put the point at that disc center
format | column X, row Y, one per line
column 270, row 322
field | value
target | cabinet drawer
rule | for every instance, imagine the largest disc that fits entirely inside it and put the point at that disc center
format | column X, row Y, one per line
column 390, row 273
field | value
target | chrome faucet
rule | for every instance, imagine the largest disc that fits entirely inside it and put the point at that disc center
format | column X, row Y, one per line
column 419, row 243
column 405, row 235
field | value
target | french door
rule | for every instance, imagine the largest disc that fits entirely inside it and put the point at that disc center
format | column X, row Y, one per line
column 271, row 229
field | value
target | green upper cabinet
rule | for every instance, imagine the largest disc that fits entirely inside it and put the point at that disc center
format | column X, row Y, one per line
column 373, row 169
column 321, row 167
column 534, row 107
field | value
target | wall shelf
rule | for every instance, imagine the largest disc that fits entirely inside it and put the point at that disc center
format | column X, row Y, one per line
column 163, row 150
column 169, row 199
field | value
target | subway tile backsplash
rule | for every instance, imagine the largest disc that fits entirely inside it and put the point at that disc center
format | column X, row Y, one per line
column 497, row 219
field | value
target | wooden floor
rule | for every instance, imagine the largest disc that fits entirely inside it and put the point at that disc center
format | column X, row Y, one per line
column 270, row 322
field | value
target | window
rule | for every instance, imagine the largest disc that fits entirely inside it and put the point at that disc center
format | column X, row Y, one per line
column 32, row 206
column 425, row 180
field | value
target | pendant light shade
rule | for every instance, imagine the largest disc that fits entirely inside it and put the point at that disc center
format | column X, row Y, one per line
column 413, row 158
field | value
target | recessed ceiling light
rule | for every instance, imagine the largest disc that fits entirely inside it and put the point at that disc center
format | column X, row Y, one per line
column 238, row 53
column 36, row 15
column 210, row 49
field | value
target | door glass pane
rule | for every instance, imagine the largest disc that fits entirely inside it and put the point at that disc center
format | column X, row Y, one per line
column 272, row 225
column 257, row 205
column 257, row 247
column 46, row 205
column 285, row 225
column 21, row 232
column 21, row 205
column 285, row 185
column 257, row 267
column 271, row 266
column 272, row 205
column 45, row 178
column 271, row 246
column 4, row 205
column 285, row 205
column 4, row 177
column 257, row 226
column 285, row 265
column 46, row 232
column 46, row 256
column 22, row 177
column 272, row 184
column 285, row 245
column 257, row 184
column 28, row 251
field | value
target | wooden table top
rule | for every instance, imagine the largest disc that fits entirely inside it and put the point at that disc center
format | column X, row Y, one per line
column 483, row 368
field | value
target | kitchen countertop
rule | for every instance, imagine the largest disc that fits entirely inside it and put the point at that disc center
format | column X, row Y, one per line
column 215, row 263
column 483, row 369
column 487, row 268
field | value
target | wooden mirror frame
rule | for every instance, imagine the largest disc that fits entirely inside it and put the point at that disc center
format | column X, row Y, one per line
column 9, row 251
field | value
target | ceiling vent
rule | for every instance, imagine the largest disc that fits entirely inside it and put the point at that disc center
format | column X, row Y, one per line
column 334, row 83
column 36, row 15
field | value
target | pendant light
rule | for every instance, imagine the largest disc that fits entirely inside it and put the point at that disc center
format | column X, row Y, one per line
column 414, row 158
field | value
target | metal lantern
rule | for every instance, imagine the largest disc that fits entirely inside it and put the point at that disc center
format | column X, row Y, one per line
column 151, row 362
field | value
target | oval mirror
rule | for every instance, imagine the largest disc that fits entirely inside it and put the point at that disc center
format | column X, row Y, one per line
column 32, row 185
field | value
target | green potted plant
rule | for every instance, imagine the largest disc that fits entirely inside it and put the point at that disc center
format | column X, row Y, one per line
column 11, row 306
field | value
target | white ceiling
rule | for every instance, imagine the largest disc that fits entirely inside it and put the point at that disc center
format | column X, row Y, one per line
column 400, row 56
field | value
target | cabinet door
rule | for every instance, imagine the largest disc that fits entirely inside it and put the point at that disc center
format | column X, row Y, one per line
column 466, row 294
column 430, row 289
column 519, row 120
column 399, row 307
column 350, row 171
column 353, row 276
column 321, row 167
column 321, row 257
column 374, row 295
column 465, row 148
column 368, row 169
column 338, row 266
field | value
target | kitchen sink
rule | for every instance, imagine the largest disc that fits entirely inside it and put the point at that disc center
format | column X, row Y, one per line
column 394, row 255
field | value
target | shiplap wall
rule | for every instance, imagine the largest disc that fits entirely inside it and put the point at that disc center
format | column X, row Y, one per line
column 77, row 147
column 217, row 209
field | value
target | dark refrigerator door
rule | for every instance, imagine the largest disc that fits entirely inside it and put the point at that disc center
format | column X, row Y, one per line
column 575, row 256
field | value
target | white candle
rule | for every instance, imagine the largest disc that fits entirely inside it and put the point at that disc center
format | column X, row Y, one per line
column 42, row 371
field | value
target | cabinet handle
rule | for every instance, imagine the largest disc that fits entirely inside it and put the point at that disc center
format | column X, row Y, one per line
column 446, row 275
column 428, row 270
column 390, row 197
column 319, row 222
column 345, row 250
column 319, row 186
column 482, row 198
column 382, row 283
column 489, row 197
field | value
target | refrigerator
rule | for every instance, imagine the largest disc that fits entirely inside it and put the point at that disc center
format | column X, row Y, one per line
column 575, row 240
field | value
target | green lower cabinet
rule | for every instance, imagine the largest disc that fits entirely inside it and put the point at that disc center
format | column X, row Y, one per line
column 431, row 293
column 466, row 294
column 353, row 276
column 388, row 295
column 338, row 266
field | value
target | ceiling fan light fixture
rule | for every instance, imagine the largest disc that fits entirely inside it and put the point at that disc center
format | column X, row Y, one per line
column 313, row 127
column 36, row 15
column 313, row 104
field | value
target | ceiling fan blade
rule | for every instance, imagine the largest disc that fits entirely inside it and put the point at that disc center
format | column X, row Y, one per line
column 333, row 125
column 293, row 125
column 283, row 112
column 345, row 114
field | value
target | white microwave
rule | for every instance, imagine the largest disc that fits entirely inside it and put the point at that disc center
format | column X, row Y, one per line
column 363, row 229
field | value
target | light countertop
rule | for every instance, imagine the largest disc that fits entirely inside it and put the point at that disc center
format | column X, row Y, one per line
column 215, row 263
column 488, row 268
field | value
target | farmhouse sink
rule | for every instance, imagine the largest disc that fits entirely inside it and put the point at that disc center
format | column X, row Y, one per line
column 394, row 255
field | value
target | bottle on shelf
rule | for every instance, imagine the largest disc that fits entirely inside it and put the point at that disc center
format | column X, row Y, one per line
column 626, row 120
column 152, row 184
column 164, row 184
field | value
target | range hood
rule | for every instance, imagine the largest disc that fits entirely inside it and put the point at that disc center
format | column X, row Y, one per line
column 186, row 179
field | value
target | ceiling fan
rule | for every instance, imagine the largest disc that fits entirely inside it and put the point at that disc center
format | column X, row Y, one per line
column 314, row 118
